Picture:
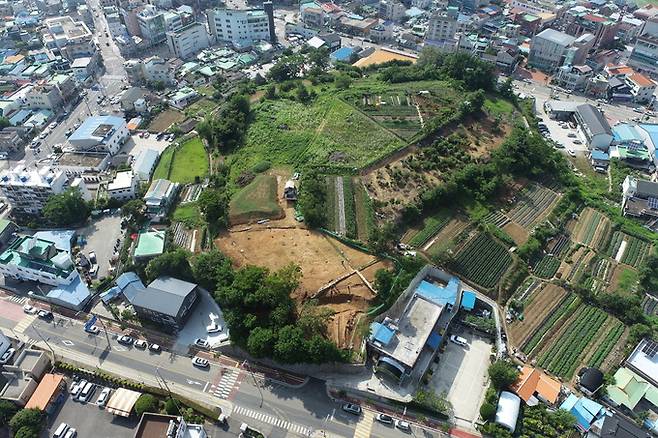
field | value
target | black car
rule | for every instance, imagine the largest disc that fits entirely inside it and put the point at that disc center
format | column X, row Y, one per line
column 46, row 315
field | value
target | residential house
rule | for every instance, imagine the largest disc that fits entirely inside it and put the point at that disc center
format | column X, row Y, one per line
column 574, row 77
column 533, row 386
column 72, row 38
column 183, row 97
column 159, row 197
column 616, row 426
column 640, row 198
column 166, row 301
column 123, row 187
column 586, row 411
column 590, row 380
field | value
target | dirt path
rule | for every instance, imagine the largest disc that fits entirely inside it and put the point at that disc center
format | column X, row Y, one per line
column 420, row 116
column 341, row 205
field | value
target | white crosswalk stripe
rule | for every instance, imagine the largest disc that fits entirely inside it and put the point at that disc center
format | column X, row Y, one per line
column 24, row 323
column 17, row 299
column 269, row 419
column 225, row 385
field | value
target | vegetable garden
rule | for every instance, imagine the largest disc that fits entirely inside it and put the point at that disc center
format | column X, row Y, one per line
column 483, row 260
column 592, row 229
column 547, row 267
column 606, row 345
column 533, row 202
column 565, row 309
column 541, row 303
column 632, row 252
column 431, row 226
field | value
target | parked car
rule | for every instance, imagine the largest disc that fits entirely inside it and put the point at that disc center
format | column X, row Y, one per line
column 7, row 355
column 71, row 433
column 30, row 310
column 403, row 425
column 125, row 340
column 104, row 397
column 384, row 419
column 571, row 152
column 155, row 348
column 141, row 344
column 86, row 392
column 92, row 257
column 352, row 408
column 93, row 330
column 45, row 315
column 576, row 141
column 214, row 328
column 458, row 340
column 201, row 343
column 200, row 362
column 75, row 388
column 571, row 135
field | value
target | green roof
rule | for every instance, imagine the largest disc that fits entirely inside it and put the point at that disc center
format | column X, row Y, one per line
column 150, row 244
column 4, row 223
column 629, row 389
column 637, row 154
column 18, row 254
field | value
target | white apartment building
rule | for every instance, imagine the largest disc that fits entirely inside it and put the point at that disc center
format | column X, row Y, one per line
column 240, row 27
column 533, row 6
column 153, row 69
column 72, row 38
column 123, row 187
column 644, row 56
column 151, row 24
column 642, row 88
column 391, row 10
column 188, row 40
column 27, row 190
column 100, row 134
column 441, row 27
column 39, row 96
column 178, row 18
column 551, row 49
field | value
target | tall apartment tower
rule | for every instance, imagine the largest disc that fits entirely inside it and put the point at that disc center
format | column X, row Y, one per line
column 269, row 11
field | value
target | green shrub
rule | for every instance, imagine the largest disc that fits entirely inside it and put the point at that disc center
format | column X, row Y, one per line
column 487, row 411
column 261, row 166
column 146, row 403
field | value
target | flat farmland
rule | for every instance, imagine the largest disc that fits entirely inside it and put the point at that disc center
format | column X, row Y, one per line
column 448, row 236
column 430, row 227
column 592, row 229
column 395, row 111
column 483, row 260
column 533, row 203
column 535, row 312
column 628, row 249
column 575, row 265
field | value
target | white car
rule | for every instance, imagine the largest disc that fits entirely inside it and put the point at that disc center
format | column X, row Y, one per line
column 200, row 362
column 458, row 340
column 71, row 433
column 571, row 152
column 93, row 330
column 214, row 328
column 6, row 357
column 30, row 310
column 403, row 425
column 104, row 397
column 201, row 343
column 141, row 344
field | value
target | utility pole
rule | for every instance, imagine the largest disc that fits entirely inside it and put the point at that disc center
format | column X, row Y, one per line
column 44, row 340
column 171, row 396
column 107, row 336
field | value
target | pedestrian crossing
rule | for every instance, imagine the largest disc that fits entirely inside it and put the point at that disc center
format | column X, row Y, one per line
column 270, row 419
column 364, row 426
column 225, row 385
column 17, row 299
column 24, row 323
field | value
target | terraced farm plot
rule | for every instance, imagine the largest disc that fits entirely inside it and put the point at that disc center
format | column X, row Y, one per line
column 430, row 227
column 535, row 312
column 551, row 323
column 564, row 354
column 525, row 292
column 606, row 345
column 624, row 280
column 547, row 267
column 558, row 245
column 448, row 236
column 395, row 111
column 483, row 260
column 574, row 267
column 628, row 249
column 533, row 203
column 592, row 229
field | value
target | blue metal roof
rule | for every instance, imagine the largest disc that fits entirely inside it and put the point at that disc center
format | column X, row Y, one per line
column 585, row 410
column 652, row 130
column 434, row 341
column 74, row 295
column 599, row 155
column 468, row 300
column 440, row 295
column 127, row 278
column 110, row 294
column 145, row 161
column 61, row 238
column 381, row 333
column 625, row 133
column 86, row 130
column 342, row 54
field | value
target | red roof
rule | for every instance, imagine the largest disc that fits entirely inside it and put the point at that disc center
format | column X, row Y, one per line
column 330, row 7
column 595, row 18
column 641, row 80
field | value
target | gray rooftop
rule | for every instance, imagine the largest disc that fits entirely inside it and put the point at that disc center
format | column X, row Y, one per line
column 596, row 122
column 647, row 188
column 164, row 295
column 158, row 189
column 556, row 37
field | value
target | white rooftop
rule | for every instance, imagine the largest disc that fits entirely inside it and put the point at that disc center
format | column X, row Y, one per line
column 22, row 176
column 644, row 359
column 122, row 180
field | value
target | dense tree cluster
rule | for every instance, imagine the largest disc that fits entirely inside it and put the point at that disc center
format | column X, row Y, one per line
column 312, row 199
column 66, row 208
column 226, row 130
column 173, row 263
column 502, row 374
column 27, row 423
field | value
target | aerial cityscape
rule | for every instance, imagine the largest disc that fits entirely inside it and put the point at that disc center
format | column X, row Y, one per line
column 328, row 219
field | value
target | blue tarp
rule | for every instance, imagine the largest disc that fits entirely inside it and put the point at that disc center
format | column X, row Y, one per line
column 440, row 295
column 381, row 333
column 585, row 410
column 342, row 54
column 468, row 300
column 434, row 341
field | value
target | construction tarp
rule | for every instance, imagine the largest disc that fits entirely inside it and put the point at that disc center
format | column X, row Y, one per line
column 122, row 402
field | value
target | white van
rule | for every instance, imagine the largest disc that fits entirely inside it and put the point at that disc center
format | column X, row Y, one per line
column 86, row 392
column 61, row 430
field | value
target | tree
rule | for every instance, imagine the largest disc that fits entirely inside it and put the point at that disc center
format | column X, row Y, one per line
column 261, row 342
column 4, row 122
column 213, row 204
column 172, row 263
column 342, row 81
column 312, row 199
column 66, row 208
column 7, row 410
column 302, row 93
column 146, row 403
column 287, row 68
column 27, row 418
column 171, row 407
column 289, row 347
column 135, row 211
column 27, row 432
column 487, row 411
column 502, row 374
column 212, row 270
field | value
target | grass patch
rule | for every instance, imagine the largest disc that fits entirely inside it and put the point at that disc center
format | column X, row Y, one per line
column 201, row 107
column 183, row 164
column 188, row 214
column 498, row 107
column 365, row 214
column 258, row 200
column 627, row 280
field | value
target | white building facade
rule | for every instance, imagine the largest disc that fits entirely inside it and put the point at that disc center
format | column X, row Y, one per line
column 188, row 40
column 239, row 27
column 27, row 190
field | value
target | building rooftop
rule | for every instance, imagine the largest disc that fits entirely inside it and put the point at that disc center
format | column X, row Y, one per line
column 556, row 37
column 22, row 176
column 532, row 380
column 28, row 359
column 144, row 162
column 97, row 128
column 164, row 295
column 159, row 190
column 122, row 180
column 157, row 425
column 31, row 253
column 644, row 359
column 150, row 243
column 629, row 389
column 79, row 159
column 76, row 294
column 594, row 119
column 48, row 387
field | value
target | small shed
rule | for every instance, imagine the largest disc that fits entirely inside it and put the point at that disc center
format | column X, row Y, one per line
column 122, row 402
column 507, row 413
column 468, row 300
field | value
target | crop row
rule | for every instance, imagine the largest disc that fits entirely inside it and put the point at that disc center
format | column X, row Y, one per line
column 431, row 226
column 534, row 201
column 567, row 307
column 591, row 225
column 562, row 358
column 635, row 251
column 350, row 208
column 547, row 266
column 606, row 346
column 559, row 245
column 483, row 260
column 615, row 243
column 332, row 204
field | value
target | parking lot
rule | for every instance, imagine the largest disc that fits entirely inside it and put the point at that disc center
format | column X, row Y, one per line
column 204, row 311
column 135, row 144
column 101, row 236
column 462, row 374
column 89, row 420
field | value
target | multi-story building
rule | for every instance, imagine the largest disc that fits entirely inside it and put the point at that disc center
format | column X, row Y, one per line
column 240, row 27
column 188, row 40
column 644, row 56
column 574, row 77
column 178, row 19
column 313, row 17
column 123, row 186
column 551, row 49
column 129, row 11
column 391, row 10
column 167, row 301
column 533, row 6
column 603, row 28
column 72, row 38
column 151, row 24
column 641, row 87
column 442, row 26
column 153, row 69
column 100, row 134
column 27, row 190
column 40, row 96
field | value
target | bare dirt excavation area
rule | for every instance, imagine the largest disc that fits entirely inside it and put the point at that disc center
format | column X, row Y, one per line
column 337, row 276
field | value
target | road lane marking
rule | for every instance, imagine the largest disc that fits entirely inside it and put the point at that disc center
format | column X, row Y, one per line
column 269, row 419
column 206, row 387
column 67, row 343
